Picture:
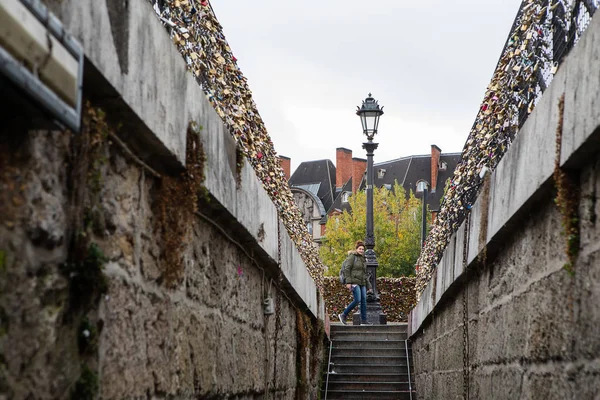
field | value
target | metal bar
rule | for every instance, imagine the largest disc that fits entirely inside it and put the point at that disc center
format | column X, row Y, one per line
column 35, row 89
column 328, row 368
column 408, row 367
column 64, row 110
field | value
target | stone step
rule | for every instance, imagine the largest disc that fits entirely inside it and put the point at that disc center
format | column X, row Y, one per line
column 372, row 344
column 369, row 351
column 368, row 386
column 369, row 377
column 368, row 369
column 367, row 335
column 335, row 328
column 368, row 360
column 369, row 395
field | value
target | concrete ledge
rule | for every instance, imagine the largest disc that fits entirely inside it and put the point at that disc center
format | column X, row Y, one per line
column 134, row 53
column 525, row 172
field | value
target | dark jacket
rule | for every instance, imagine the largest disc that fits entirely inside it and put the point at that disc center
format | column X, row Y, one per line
column 355, row 269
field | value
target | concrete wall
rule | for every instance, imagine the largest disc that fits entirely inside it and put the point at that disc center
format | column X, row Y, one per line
column 199, row 332
column 532, row 326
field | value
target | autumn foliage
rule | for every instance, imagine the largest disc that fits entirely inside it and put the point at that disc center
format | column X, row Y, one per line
column 397, row 226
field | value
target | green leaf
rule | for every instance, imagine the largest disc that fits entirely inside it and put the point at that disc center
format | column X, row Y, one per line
column 397, row 226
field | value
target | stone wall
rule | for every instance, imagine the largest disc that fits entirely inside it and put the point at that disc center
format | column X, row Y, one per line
column 532, row 330
column 512, row 308
column 135, row 256
column 150, row 318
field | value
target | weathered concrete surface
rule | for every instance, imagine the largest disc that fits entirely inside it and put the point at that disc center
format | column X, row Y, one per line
column 131, row 50
column 533, row 328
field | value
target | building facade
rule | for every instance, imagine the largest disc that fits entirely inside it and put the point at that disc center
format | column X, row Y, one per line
column 322, row 189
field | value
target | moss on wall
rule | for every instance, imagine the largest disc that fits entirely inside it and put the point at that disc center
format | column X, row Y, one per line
column 567, row 198
column 176, row 202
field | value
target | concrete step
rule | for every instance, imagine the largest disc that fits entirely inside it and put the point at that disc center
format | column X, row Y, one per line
column 369, row 395
column 338, row 327
column 368, row 386
column 368, row 351
column 368, row 377
column 368, row 360
column 368, row 369
column 372, row 344
column 367, row 335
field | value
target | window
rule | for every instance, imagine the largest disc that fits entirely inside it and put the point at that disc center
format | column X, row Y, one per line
column 345, row 197
column 381, row 173
column 309, row 227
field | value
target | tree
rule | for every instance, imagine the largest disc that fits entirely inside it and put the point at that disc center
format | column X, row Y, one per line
column 397, row 225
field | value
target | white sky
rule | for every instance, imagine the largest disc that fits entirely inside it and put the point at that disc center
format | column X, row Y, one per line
column 310, row 63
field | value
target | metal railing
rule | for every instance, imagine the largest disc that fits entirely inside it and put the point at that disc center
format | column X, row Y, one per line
column 328, row 368
column 408, row 368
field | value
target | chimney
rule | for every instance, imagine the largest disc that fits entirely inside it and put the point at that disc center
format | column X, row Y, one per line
column 359, row 166
column 286, row 165
column 435, row 163
column 343, row 166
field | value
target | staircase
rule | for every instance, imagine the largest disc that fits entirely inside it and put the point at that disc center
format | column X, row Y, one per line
column 369, row 362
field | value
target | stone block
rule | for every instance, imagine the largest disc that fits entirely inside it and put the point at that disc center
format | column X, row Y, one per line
column 586, row 327
column 424, row 385
column 449, row 350
column 423, row 355
column 502, row 382
column 517, row 327
column 551, row 316
column 491, row 330
column 447, row 385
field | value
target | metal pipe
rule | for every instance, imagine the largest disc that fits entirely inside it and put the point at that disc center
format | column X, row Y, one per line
column 408, row 367
column 328, row 368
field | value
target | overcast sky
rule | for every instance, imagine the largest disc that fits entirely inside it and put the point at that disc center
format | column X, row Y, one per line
column 310, row 63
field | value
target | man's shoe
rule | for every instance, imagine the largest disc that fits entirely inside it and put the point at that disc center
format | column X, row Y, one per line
column 342, row 318
column 366, row 323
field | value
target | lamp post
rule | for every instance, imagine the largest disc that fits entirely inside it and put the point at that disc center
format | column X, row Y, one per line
column 422, row 188
column 369, row 114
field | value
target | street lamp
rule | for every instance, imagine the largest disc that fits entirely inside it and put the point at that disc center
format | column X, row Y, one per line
column 422, row 188
column 369, row 114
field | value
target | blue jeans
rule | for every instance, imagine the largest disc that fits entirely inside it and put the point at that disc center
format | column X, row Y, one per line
column 360, row 296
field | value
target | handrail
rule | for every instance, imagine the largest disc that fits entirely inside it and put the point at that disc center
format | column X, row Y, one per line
column 408, row 366
column 328, row 367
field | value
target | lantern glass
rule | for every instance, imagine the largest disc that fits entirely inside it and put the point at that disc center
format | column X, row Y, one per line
column 369, row 115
